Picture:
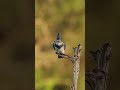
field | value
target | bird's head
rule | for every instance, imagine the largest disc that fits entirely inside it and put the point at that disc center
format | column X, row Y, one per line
column 59, row 36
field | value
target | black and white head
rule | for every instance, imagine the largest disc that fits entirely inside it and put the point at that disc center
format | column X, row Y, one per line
column 58, row 45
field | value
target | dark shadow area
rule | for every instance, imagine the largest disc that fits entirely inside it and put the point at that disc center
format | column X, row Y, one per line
column 17, row 37
column 102, row 24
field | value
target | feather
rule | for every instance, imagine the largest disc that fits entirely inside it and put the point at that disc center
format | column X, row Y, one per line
column 59, row 36
column 54, row 45
column 58, row 46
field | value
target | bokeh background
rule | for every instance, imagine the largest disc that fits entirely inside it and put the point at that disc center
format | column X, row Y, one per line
column 17, row 45
column 51, row 17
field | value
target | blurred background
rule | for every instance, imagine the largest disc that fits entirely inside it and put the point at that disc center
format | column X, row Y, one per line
column 103, row 25
column 51, row 17
column 17, row 45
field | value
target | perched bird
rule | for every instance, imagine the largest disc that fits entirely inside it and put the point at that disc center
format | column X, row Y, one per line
column 59, row 46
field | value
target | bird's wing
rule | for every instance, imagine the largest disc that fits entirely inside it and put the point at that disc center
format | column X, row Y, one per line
column 64, row 46
column 54, row 45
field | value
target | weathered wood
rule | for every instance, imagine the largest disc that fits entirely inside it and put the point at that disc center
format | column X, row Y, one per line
column 97, row 78
column 76, row 64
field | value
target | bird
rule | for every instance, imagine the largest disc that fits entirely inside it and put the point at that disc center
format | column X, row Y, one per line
column 59, row 46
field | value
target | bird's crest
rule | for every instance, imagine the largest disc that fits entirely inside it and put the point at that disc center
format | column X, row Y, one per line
column 59, row 36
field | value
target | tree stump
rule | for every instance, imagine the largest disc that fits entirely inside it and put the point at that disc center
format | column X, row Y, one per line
column 97, row 78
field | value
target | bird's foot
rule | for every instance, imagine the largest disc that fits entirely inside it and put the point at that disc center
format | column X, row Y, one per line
column 60, row 56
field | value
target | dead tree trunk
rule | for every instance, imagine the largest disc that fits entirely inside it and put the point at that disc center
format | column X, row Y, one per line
column 97, row 78
column 76, row 62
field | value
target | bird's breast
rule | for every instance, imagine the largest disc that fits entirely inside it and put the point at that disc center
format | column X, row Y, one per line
column 58, row 46
column 60, row 50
